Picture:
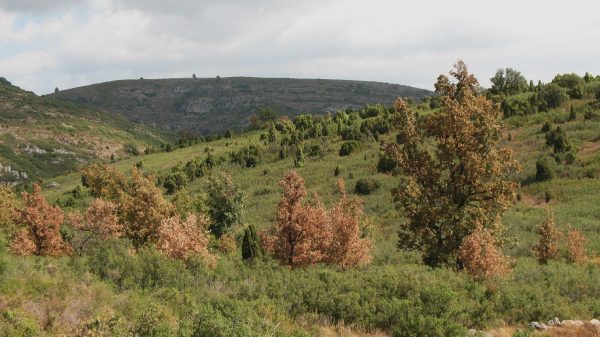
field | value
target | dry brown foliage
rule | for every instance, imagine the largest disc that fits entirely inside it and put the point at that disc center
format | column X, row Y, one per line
column 227, row 244
column 547, row 247
column 457, row 173
column 41, row 232
column 180, row 238
column 100, row 222
column 576, row 242
column 309, row 233
column 481, row 255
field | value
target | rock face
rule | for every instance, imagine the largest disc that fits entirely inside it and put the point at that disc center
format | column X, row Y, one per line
column 212, row 105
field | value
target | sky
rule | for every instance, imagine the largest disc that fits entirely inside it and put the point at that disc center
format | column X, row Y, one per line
column 68, row 43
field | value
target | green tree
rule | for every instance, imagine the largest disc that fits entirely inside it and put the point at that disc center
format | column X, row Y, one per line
column 552, row 96
column 251, row 247
column 508, row 81
column 225, row 202
column 574, row 84
column 456, row 172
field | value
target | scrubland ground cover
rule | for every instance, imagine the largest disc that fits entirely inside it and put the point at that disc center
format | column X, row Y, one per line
column 140, row 285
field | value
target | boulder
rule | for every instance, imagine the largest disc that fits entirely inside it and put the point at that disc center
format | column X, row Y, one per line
column 538, row 326
column 595, row 322
column 554, row 322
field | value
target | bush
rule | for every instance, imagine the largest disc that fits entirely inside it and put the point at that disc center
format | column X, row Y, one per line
column 175, row 181
column 349, row 147
column 574, row 84
column 367, row 186
column 131, row 149
column 225, row 204
column 552, row 96
column 386, row 164
column 543, row 170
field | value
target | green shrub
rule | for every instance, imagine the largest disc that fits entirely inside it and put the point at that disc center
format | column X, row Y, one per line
column 386, row 164
column 366, row 186
column 543, row 170
column 349, row 147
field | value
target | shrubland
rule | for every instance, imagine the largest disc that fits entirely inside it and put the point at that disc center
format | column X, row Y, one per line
column 281, row 248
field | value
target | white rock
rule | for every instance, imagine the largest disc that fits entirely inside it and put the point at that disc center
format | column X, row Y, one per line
column 554, row 322
column 595, row 322
column 538, row 326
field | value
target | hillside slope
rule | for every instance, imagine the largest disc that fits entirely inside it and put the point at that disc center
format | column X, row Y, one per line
column 212, row 105
column 42, row 137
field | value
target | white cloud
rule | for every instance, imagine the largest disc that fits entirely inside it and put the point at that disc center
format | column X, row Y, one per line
column 384, row 40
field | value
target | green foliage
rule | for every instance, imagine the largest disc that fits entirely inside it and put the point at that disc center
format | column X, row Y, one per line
column 386, row 163
column 248, row 156
column 175, row 181
column 508, row 81
column 251, row 247
column 366, row 186
column 225, row 203
column 558, row 140
column 543, row 170
column 349, row 147
column 552, row 96
column 574, row 84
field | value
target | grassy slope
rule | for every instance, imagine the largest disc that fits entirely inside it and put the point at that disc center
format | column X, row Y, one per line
column 47, row 123
column 210, row 106
column 575, row 192
column 285, row 301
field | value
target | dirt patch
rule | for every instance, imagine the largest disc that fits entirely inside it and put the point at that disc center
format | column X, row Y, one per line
column 588, row 148
column 538, row 200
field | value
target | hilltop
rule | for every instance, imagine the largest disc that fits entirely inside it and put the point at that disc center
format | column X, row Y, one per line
column 213, row 105
column 41, row 137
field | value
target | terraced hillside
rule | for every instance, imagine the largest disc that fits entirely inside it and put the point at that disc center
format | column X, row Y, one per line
column 212, row 105
column 42, row 137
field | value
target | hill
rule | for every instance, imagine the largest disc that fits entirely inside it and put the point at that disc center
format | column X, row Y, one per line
column 213, row 105
column 42, row 137
column 114, row 289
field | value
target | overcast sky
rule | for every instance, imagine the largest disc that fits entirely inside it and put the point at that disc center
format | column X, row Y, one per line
column 68, row 43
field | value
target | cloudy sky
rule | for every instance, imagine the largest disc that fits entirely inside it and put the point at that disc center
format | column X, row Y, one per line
column 68, row 43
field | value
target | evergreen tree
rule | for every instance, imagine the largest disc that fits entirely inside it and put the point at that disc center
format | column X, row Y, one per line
column 251, row 247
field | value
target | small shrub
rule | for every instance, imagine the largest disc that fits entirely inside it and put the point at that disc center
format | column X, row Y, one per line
column 576, row 242
column 543, row 170
column 349, row 147
column 547, row 247
column 366, row 186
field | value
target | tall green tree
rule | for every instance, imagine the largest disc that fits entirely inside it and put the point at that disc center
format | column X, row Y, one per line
column 251, row 247
column 508, row 81
column 456, row 174
column 225, row 202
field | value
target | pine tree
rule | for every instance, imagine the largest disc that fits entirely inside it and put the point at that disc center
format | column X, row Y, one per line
column 251, row 247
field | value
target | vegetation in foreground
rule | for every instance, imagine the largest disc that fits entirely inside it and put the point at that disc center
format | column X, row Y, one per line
column 142, row 276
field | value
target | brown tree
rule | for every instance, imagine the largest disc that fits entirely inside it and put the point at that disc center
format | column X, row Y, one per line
column 456, row 174
column 482, row 256
column 103, row 181
column 41, row 223
column 347, row 247
column 547, row 247
column 99, row 223
column 307, row 233
column 142, row 207
column 180, row 238
column 576, row 250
